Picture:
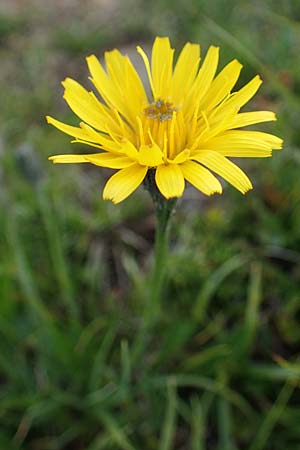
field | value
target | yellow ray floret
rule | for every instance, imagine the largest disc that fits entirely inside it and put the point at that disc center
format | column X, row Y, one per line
column 170, row 180
column 185, row 130
column 124, row 182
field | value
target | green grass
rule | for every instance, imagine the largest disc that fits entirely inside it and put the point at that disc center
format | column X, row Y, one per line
column 219, row 369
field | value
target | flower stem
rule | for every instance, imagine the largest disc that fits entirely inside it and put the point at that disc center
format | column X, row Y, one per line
column 163, row 209
column 157, row 277
column 161, row 247
column 156, row 281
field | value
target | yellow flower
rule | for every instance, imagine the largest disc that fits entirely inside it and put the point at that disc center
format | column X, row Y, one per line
column 185, row 131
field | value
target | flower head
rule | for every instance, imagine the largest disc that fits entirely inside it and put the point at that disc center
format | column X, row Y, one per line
column 185, row 131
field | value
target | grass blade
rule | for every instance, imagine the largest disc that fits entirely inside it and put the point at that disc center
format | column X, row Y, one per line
column 116, row 433
column 169, row 426
column 213, row 283
column 272, row 417
column 198, row 426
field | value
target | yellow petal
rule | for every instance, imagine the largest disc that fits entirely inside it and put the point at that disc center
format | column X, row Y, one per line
column 239, row 143
column 201, row 178
column 246, row 152
column 106, row 142
column 84, row 104
column 241, row 97
column 99, row 159
column 130, row 150
column 101, row 81
column 162, row 67
column 274, row 141
column 185, row 71
column 227, row 169
column 121, row 87
column 109, row 160
column 204, row 78
column 148, row 69
column 250, row 118
column 169, row 180
column 124, row 182
column 180, row 158
column 127, row 83
column 105, row 86
column 80, row 141
column 150, row 155
column 86, row 135
column 68, row 159
column 207, row 70
column 221, row 85
column 211, row 126
column 70, row 130
column 236, row 100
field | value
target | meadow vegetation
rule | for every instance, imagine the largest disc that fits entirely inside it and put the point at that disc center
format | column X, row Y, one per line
column 219, row 369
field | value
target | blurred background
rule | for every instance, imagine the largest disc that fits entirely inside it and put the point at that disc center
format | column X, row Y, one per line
column 221, row 369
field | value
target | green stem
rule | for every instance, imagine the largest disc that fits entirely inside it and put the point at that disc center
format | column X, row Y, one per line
column 156, row 281
column 163, row 209
column 161, row 247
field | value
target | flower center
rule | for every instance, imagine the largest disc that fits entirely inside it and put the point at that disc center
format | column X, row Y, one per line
column 163, row 124
column 160, row 110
